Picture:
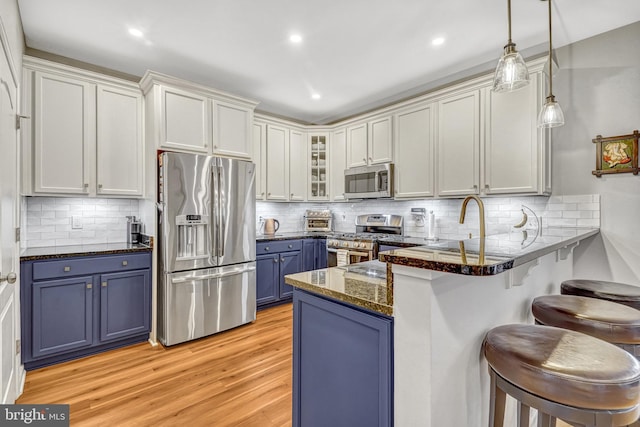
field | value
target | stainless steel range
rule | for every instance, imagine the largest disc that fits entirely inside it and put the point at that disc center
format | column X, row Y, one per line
column 350, row 248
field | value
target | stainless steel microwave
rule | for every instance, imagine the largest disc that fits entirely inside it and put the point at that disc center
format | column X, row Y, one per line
column 369, row 182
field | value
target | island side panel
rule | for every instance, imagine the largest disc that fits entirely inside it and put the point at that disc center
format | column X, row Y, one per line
column 440, row 320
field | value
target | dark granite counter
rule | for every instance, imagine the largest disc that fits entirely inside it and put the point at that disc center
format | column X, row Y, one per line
column 363, row 284
column 50, row 252
column 502, row 251
column 293, row 235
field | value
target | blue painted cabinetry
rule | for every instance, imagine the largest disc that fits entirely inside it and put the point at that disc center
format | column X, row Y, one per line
column 274, row 260
column 342, row 364
column 76, row 306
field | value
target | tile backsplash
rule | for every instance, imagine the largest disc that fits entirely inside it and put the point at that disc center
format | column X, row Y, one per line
column 48, row 221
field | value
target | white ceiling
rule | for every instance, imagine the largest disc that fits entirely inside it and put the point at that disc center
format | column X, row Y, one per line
column 358, row 54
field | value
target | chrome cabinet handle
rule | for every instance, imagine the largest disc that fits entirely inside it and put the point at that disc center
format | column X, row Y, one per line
column 266, row 248
column 104, row 284
column 281, row 259
column 275, row 260
column 67, row 269
column 89, row 286
column 9, row 278
column 290, row 246
column 125, row 263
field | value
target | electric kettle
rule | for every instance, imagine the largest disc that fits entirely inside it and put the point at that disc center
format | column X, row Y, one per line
column 271, row 225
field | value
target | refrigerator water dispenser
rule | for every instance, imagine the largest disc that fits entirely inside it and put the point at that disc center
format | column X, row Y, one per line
column 192, row 236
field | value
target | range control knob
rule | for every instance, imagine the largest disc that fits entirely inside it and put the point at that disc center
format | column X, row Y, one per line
column 345, row 244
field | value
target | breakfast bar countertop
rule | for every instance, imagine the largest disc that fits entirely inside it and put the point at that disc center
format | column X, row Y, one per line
column 363, row 284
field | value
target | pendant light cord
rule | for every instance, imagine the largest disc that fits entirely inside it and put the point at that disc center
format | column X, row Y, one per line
column 509, row 19
column 550, row 56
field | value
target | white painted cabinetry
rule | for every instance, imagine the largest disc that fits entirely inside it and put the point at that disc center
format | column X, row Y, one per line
column 232, row 129
column 184, row 120
column 414, row 165
column 297, row 166
column 370, row 143
column 337, row 164
column 259, row 136
column 319, row 168
column 86, row 133
column 276, row 163
column 458, row 144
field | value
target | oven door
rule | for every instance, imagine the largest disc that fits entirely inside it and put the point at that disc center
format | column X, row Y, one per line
column 353, row 257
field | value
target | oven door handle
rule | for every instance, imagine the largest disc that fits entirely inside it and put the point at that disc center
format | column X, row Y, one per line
column 332, row 250
column 355, row 253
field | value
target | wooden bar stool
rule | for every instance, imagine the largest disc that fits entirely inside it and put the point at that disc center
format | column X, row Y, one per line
column 611, row 291
column 615, row 323
column 563, row 374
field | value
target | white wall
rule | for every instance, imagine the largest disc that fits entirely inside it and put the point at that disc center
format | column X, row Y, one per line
column 10, row 16
column 598, row 87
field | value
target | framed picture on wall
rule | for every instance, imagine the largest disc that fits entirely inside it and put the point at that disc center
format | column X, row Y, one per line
column 616, row 154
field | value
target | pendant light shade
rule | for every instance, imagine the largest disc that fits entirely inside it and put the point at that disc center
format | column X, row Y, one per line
column 551, row 114
column 511, row 72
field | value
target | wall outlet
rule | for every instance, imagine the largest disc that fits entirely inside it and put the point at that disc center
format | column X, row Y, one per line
column 76, row 222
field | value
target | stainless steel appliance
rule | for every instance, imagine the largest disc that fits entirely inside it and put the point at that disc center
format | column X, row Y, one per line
column 207, row 269
column 134, row 228
column 350, row 248
column 318, row 220
column 369, row 182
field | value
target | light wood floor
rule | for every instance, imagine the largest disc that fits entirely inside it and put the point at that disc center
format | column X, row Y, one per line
column 237, row 378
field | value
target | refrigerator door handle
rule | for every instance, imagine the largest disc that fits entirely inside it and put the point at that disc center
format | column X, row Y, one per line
column 213, row 276
column 222, row 230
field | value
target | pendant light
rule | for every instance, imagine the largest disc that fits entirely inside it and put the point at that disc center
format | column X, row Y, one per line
column 511, row 72
column 551, row 114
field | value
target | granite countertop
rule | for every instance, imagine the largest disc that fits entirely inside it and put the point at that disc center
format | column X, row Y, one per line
column 50, row 252
column 502, row 251
column 363, row 284
column 293, row 235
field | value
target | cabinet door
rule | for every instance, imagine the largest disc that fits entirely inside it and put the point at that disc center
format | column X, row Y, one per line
column 232, row 129
column 297, row 166
column 458, row 144
column 119, row 161
column 62, row 315
column 414, row 153
column 125, row 301
column 512, row 141
column 64, row 140
column 321, row 253
column 277, row 163
column 267, row 281
column 380, row 141
column 356, row 348
column 337, row 164
column 309, row 255
column 259, row 145
column 290, row 263
column 357, row 145
column 184, row 120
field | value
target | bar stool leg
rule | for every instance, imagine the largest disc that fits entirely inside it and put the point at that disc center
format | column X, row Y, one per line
column 497, row 400
column 523, row 415
column 546, row 420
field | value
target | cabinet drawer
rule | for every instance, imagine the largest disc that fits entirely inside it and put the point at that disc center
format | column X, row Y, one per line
column 278, row 246
column 76, row 266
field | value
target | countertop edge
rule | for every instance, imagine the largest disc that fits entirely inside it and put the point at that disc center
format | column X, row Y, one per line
column 81, row 253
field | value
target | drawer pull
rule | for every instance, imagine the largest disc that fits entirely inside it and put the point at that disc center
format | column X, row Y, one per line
column 89, row 286
column 266, row 248
column 124, row 263
column 281, row 259
column 290, row 246
column 67, row 269
column 104, row 284
column 275, row 260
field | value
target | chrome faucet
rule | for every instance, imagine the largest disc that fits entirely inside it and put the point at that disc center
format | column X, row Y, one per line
column 463, row 211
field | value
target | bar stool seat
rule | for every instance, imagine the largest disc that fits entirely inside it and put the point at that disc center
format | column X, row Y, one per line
column 562, row 373
column 609, row 321
column 611, row 291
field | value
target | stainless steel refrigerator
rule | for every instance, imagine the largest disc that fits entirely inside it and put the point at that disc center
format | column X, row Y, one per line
column 207, row 245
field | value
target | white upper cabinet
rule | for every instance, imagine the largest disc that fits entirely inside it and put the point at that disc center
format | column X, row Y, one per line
column 185, row 116
column 259, row 146
column 119, row 147
column 86, row 135
column 337, row 164
column 414, row 165
column 370, row 143
column 297, row 166
column 277, row 163
column 458, row 144
column 515, row 156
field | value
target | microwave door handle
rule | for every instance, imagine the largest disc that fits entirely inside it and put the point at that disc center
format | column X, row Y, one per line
column 377, row 182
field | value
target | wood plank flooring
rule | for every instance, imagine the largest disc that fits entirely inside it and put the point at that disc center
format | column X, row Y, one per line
column 240, row 377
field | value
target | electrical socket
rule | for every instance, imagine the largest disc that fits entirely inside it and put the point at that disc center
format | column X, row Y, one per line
column 76, row 222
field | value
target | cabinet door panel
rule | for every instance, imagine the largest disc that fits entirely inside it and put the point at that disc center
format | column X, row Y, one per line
column 297, row 166
column 459, row 144
column 267, row 271
column 119, row 142
column 259, row 145
column 232, row 130
column 62, row 315
column 381, row 141
column 321, row 253
column 357, row 146
column 277, row 162
column 290, row 263
column 124, row 304
column 185, row 120
column 337, row 164
column 64, row 127
column 309, row 255
column 414, row 153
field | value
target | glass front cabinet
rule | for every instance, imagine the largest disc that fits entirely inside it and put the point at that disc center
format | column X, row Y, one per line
column 318, row 167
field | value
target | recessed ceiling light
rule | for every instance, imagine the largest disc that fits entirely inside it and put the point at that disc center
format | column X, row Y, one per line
column 295, row 38
column 437, row 41
column 136, row 32
column 316, row 96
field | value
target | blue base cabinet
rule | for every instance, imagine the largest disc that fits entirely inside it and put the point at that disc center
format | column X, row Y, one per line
column 274, row 260
column 342, row 364
column 77, row 306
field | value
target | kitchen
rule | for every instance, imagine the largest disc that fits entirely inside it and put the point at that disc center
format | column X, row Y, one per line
column 596, row 86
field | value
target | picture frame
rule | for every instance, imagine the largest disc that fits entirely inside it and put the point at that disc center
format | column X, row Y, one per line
column 616, row 154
